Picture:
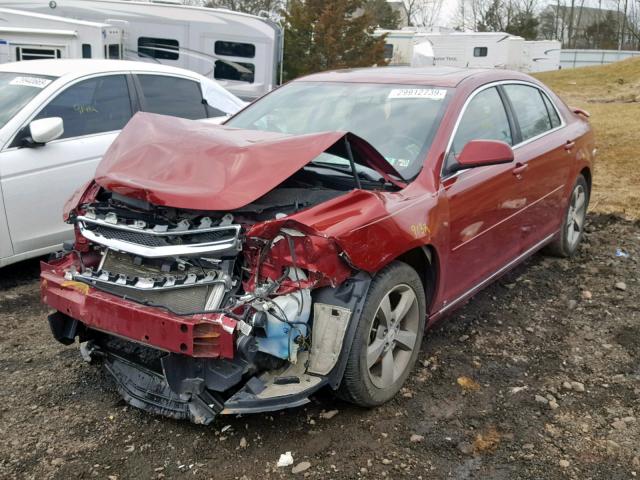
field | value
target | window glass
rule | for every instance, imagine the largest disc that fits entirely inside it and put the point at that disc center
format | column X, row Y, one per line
column 235, row 49
column 480, row 51
column 173, row 96
column 37, row 53
column 160, row 48
column 114, row 51
column 241, row 72
column 484, row 119
column 400, row 121
column 16, row 90
column 92, row 106
column 388, row 51
column 86, row 50
column 529, row 109
column 553, row 114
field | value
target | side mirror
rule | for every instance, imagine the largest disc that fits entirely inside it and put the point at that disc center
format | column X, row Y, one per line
column 44, row 131
column 478, row 153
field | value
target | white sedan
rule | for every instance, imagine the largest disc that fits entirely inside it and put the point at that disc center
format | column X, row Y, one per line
column 57, row 119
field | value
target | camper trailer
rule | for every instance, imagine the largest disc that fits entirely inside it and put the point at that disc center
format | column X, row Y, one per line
column 30, row 36
column 542, row 55
column 242, row 52
column 477, row 49
column 398, row 47
column 470, row 49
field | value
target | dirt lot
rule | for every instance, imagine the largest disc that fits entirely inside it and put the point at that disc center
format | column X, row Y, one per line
column 488, row 400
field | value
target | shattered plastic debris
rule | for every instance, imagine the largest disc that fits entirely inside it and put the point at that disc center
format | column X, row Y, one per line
column 621, row 253
column 285, row 460
column 468, row 384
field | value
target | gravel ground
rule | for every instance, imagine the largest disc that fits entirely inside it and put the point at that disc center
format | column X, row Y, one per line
column 536, row 377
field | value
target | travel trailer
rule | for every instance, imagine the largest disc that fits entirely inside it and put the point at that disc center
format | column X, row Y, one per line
column 32, row 36
column 242, row 52
column 470, row 49
column 542, row 55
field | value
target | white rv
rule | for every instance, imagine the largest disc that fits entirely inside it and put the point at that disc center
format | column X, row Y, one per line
column 398, row 47
column 542, row 55
column 470, row 49
column 31, row 36
column 477, row 49
column 242, row 52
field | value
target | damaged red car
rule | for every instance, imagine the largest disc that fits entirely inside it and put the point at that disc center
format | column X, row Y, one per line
column 310, row 241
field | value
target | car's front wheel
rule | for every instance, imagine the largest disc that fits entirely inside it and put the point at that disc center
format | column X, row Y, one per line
column 566, row 244
column 388, row 337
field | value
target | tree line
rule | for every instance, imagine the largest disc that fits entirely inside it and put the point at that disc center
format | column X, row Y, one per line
column 330, row 34
column 602, row 24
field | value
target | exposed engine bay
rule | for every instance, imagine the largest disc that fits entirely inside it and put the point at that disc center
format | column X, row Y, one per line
column 284, row 331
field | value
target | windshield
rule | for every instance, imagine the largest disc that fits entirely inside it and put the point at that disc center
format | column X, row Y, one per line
column 398, row 120
column 16, row 90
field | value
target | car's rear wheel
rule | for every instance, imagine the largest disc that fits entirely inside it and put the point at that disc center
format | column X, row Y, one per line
column 570, row 236
column 388, row 337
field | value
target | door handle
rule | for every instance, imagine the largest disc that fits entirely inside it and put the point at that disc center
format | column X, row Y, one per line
column 520, row 168
column 569, row 145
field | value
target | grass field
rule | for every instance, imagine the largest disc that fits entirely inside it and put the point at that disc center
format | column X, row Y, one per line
column 611, row 94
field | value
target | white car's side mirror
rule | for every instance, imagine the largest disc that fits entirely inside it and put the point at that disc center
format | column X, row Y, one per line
column 46, row 129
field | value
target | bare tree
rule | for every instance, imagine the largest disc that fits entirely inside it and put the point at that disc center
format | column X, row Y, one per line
column 423, row 13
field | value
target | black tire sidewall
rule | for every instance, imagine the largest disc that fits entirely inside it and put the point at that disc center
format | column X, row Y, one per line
column 570, row 250
column 363, row 391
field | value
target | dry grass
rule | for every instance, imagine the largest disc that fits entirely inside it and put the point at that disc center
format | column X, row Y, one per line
column 611, row 93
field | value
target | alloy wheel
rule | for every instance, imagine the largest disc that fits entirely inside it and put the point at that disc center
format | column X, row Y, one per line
column 576, row 215
column 393, row 336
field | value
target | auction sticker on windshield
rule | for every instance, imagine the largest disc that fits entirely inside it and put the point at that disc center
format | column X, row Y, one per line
column 30, row 82
column 429, row 93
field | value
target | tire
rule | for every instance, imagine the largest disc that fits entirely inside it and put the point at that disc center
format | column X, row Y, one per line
column 370, row 383
column 572, row 230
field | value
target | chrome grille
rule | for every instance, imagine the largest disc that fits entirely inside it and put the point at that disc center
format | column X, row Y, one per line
column 120, row 275
column 142, row 238
column 160, row 240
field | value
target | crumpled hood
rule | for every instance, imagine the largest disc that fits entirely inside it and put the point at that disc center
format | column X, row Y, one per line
column 194, row 165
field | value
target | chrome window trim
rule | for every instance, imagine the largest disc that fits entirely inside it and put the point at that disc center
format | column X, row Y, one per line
column 563, row 122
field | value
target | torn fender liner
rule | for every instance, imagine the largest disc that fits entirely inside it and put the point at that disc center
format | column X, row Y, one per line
column 193, row 165
column 148, row 390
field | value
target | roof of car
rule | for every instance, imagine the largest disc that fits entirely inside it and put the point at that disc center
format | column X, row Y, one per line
column 81, row 67
column 432, row 76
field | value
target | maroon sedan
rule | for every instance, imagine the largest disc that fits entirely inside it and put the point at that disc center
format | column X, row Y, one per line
column 311, row 240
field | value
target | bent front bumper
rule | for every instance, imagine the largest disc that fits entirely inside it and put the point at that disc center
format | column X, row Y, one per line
column 200, row 336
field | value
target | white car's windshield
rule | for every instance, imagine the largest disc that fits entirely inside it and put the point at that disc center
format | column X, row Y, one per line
column 16, row 90
column 398, row 120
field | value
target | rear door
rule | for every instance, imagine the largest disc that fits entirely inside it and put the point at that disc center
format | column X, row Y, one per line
column 545, row 152
column 36, row 182
column 484, row 202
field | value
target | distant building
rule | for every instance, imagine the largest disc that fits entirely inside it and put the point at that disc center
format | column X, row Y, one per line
column 584, row 27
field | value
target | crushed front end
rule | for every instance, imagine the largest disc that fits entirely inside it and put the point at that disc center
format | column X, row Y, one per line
column 198, row 313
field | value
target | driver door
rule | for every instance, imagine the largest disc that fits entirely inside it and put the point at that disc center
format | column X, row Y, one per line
column 36, row 182
column 484, row 202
